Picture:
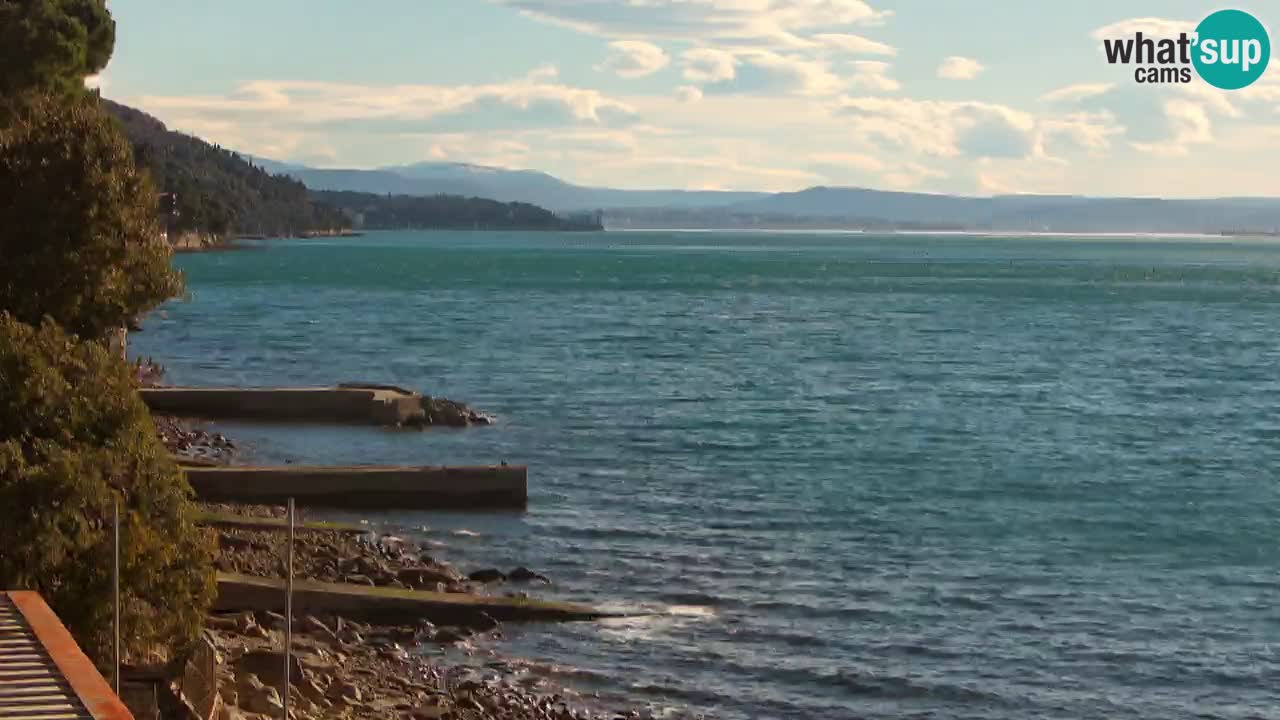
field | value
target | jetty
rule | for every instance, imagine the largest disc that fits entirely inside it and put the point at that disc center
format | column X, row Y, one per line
column 237, row 592
column 366, row 487
column 360, row 404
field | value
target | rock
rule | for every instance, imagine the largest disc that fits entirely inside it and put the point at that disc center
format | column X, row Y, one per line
column 244, row 621
column 482, row 622
column 432, row 708
column 313, row 624
column 524, row 574
column 222, row 622
column 344, row 690
column 487, row 576
column 264, row 700
column 449, row 635
column 268, row 666
column 423, row 577
column 312, row 691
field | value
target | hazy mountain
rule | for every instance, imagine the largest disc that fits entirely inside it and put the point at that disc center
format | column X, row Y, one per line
column 1063, row 213
column 528, row 186
column 828, row 207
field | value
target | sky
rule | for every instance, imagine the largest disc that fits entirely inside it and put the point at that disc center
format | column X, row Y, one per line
column 977, row 97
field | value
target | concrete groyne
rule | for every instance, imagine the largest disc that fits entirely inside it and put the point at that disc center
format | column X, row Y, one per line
column 387, row 605
column 369, row 487
column 343, row 403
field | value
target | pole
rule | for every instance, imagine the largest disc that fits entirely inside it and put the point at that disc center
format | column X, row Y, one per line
column 115, row 585
column 288, row 617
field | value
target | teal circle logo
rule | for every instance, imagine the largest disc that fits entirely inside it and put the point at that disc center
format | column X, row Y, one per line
column 1232, row 49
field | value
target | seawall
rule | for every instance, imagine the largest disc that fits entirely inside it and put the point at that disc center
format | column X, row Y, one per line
column 425, row 488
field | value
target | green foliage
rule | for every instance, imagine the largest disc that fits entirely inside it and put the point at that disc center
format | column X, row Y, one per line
column 78, row 230
column 74, row 437
column 218, row 191
column 387, row 212
column 48, row 47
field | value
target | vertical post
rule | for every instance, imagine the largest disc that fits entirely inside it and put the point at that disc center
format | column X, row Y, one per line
column 288, row 617
column 115, row 592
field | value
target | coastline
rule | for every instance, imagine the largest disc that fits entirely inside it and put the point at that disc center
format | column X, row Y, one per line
column 358, row 669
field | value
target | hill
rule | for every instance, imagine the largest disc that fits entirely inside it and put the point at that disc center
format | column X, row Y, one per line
column 396, row 212
column 816, row 207
column 224, row 193
column 219, row 191
column 529, row 186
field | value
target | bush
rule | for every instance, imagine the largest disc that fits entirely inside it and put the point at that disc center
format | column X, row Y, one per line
column 79, row 235
column 74, row 437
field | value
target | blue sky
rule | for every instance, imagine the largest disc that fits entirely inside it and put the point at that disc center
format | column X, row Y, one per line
column 965, row 97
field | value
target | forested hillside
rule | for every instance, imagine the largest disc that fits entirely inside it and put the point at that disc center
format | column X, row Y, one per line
column 218, row 190
column 395, row 212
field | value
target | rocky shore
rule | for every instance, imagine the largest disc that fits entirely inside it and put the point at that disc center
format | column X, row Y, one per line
column 344, row 668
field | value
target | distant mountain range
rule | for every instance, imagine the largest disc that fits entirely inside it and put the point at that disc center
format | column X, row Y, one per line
column 529, row 186
column 827, row 207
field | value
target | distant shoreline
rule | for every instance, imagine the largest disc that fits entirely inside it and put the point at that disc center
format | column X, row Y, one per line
column 956, row 233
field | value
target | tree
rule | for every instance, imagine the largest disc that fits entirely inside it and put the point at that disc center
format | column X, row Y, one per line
column 75, row 437
column 50, row 47
column 78, row 222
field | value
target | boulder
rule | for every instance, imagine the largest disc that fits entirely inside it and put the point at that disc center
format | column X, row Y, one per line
column 487, row 576
column 449, row 635
column 482, row 622
column 524, row 574
column 313, row 624
column 265, row 701
column 344, row 690
column 421, row 577
column 268, row 666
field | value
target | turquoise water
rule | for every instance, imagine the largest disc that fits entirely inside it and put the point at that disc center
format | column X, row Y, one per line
column 872, row 477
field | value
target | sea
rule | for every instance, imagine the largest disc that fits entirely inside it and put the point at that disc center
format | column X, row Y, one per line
column 847, row 475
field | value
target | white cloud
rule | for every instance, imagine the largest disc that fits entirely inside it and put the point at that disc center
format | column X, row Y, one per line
column 1189, row 125
column 941, row 128
column 873, row 75
column 763, row 70
column 848, row 160
column 1076, row 93
column 856, row 44
column 530, row 102
column 635, row 58
column 768, row 22
column 709, row 65
column 688, row 94
column 1077, row 132
column 1148, row 26
column 908, row 176
column 959, row 68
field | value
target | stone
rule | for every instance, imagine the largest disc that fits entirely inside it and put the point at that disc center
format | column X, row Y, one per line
column 268, row 666
column 344, row 690
column 222, row 622
column 312, row 691
column 524, row 574
column 313, row 624
column 244, row 621
column 264, row 700
column 487, row 576
column 422, row 577
column 449, row 635
column 482, row 622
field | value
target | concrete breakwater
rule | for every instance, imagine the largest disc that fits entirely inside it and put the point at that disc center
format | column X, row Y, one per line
column 373, row 487
column 347, row 403
column 386, row 605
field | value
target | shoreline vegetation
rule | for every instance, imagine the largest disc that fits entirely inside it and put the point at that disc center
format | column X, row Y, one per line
column 217, row 195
